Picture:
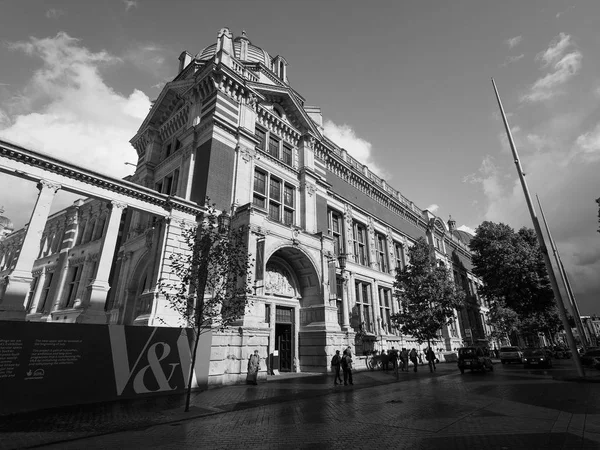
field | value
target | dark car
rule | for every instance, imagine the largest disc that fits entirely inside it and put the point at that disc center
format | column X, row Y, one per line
column 560, row 352
column 591, row 358
column 536, row 357
column 474, row 358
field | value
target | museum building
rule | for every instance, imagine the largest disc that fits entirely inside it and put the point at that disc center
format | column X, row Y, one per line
column 326, row 233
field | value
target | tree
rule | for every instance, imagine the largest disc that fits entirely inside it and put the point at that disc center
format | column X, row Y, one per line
column 512, row 268
column 503, row 320
column 210, row 291
column 427, row 295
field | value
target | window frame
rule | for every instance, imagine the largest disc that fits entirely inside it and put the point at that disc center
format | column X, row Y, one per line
column 365, row 308
column 361, row 249
column 385, row 308
column 382, row 254
column 336, row 217
column 278, row 200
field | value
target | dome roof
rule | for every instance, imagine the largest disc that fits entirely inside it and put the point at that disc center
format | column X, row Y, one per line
column 253, row 53
column 5, row 222
column 463, row 236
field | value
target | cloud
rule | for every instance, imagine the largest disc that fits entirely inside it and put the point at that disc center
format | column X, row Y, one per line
column 54, row 13
column 587, row 145
column 68, row 111
column 358, row 148
column 567, row 187
column 149, row 58
column 513, row 42
column 467, row 229
column 432, row 208
column 563, row 66
column 129, row 4
column 512, row 59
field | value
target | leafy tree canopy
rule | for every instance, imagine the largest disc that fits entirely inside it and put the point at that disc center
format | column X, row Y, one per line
column 512, row 268
column 427, row 295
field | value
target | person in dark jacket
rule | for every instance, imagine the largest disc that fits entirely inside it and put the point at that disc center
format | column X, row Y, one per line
column 430, row 357
column 413, row 358
column 336, row 363
column 347, row 366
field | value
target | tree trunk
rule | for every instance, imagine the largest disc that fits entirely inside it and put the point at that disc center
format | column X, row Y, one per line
column 191, row 376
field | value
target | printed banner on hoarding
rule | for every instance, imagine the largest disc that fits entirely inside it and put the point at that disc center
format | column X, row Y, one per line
column 44, row 365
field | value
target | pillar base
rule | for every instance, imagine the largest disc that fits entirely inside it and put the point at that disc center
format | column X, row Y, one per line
column 12, row 301
column 93, row 316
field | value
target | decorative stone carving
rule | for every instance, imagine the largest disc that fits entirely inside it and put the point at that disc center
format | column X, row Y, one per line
column 278, row 281
column 309, row 141
column 48, row 184
column 253, row 101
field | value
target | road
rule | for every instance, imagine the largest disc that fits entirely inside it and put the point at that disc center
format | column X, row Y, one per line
column 510, row 408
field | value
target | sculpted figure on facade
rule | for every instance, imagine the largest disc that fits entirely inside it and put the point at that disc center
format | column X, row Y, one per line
column 278, row 281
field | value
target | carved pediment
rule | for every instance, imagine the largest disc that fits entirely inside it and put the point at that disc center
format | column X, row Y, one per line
column 284, row 98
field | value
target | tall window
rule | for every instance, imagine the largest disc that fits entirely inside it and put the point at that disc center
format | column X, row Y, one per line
column 438, row 245
column 399, row 253
column 267, row 313
column 360, row 244
column 73, row 287
column 45, row 292
column 364, row 304
column 31, row 294
column 288, row 204
column 287, row 154
column 382, row 258
column 335, row 230
column 339, row 288
column 275, row 199
column 273, row 146
column 260, row 191
column 280, row 197
column 385, row 311
column 262, row 138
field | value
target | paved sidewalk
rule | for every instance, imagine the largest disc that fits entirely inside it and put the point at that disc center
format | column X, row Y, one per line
column 68, row 423
column 71, row 423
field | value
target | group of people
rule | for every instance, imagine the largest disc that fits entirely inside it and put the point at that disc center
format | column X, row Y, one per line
column 342, row 362
column 398, row 359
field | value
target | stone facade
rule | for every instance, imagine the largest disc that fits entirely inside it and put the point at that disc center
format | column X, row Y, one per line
column 230, row 127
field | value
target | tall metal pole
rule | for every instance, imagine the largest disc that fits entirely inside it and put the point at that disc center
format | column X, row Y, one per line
column 540, row 236
column 565, row 279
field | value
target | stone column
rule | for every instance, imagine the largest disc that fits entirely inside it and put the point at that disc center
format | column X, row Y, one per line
column 345, row 303
column 18, row 281
column 98, row 289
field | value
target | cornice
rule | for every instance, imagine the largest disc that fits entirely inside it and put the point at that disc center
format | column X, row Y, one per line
column 71, row 171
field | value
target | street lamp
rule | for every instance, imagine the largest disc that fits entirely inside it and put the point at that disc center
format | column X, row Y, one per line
column 224, row 221
column 342, row 261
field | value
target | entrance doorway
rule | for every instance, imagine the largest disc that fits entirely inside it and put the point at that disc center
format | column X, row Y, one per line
column 283, row 337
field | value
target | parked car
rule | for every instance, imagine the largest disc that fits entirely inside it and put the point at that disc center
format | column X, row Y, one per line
column 474, row 358
column 559, row 352
column 537, row 357
column 510, row 354
column 591, row 358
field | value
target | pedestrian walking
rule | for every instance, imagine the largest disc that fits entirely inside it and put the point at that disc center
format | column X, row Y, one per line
column 385, row 360
column 430, row 357
column 253, row 368
column 413, row 358
column 404, row 359
column 394, row 358
column 347, row 366
column 336, row 363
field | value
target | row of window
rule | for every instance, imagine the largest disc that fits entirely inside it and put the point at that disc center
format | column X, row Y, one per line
column 168, row 185
column 274, row 196
column 69, row 294
column 360, row 244
column 274, row 146
column 364, row 304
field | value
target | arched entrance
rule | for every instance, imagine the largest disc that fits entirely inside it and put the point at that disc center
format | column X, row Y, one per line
column 291, row 290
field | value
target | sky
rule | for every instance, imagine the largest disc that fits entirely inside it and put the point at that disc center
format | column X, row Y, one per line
column 405, row 87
